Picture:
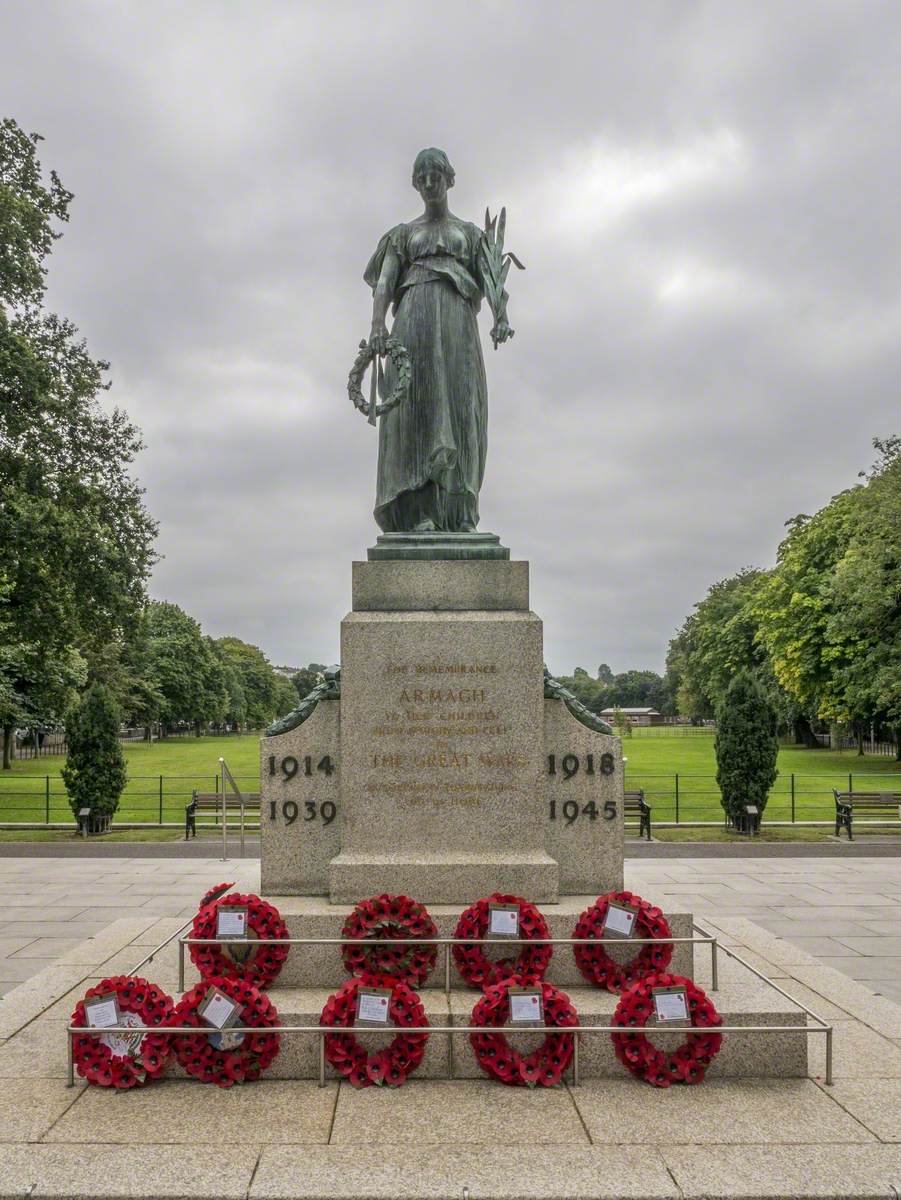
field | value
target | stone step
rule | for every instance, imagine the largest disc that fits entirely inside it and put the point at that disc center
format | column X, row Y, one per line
column 441, row 877
column 740, row 1000
column 321, row 966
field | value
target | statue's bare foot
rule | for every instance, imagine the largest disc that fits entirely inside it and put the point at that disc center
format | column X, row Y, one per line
column 426, row 526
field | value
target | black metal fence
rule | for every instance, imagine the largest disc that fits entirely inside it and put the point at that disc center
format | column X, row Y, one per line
column 676, row 797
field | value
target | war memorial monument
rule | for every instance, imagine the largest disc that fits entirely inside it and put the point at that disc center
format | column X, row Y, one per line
column 442, row 909
column 441, row 761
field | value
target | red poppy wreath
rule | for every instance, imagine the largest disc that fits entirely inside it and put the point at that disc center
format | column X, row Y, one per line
column 598, row 967
column 245, row 958
column 124, row 1060
column 219, row 1056
column 390, row 917
column 475, row 966
column 542, row 1067
column 395, row 1062
column 686, row 1063
column 214, row 893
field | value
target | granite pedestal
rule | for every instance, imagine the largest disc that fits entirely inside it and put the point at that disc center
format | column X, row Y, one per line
column 443, row 771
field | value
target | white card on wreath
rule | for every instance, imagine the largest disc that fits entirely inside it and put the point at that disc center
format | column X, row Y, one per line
column 526, row 1008
column 373, row 1006
column 670, row 1004
column 102, row 1011
column 503, row 922
column 218, row 1010
column 619, row 921
column 231, row 922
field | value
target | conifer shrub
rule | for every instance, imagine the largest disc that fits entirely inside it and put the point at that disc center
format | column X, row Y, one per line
column 746, row 747
column 94, row 772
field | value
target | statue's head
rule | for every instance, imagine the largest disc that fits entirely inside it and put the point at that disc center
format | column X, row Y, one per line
column 432, row 174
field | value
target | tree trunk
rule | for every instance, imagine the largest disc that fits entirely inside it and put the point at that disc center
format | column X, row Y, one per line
column 859, row 731
column 197, row 729
column 8, row 748
column 804, row 735
column 898, row 744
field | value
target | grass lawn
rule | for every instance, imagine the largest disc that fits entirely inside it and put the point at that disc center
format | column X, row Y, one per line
column 653, row 762
column 182, row 765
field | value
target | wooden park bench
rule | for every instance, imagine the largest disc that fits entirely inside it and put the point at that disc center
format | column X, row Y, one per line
column 887, row 804
column 211, row 802
column 635, row 805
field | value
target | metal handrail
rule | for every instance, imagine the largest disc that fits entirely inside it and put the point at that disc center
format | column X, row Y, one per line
column 448, row 943
column 788, row 996
column 226, row 775
column 574, row 1031
column 703, row 938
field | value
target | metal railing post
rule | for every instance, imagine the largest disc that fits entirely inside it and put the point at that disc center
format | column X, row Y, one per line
column 714, row 968
column 677, row 797
column 71, row 1071
column 793, row 797
column 322, row 1059
column 224, row 845
column 46, row 799
column 829, row 1056
column 575, row 1060
column 447, row 971
column 181, row 966
column 161, row 800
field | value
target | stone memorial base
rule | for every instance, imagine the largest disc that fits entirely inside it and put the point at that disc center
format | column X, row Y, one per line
column 444, row 768
column 434, row 878
column 322, row 966
column 735, row 1136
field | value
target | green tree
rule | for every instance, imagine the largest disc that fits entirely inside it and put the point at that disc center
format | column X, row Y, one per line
column 94, row 772
column 637, row 689
column 258, row 680
column 863, row 598
column 185, row 667
column 125, row 666
column 285, row 696
column 829, row 613
column 76, row 543
column 746, row 746
column 306, row 679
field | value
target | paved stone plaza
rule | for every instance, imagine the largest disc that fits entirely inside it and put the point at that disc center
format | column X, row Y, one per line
column 846, row 913
column 433, row 1138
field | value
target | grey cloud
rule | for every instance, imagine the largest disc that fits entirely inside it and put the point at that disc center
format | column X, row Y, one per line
column 706, row 200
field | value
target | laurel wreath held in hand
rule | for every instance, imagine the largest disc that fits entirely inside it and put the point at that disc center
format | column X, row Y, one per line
column 400, row 361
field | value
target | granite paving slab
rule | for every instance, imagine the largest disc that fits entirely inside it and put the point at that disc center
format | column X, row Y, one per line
column 104, row 1172
column 854, row 997
column 759, row 1110
column 777, row 1172
column 876, row 1103
column 858, row 1053
column 37, row 1052
column 461, row 1112
column 30, row 1108
column 187, row 1111
column 504, row 1172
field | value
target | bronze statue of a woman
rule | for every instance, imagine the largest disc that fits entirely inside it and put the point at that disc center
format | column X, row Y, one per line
column 433, row 272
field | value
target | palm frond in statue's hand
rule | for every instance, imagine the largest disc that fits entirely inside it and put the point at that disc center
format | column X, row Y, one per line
column 495, row 266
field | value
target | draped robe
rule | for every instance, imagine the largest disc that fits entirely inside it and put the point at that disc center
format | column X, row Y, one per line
column 432, row 445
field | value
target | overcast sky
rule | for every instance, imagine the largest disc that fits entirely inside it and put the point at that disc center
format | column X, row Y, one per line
column 706, row 198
